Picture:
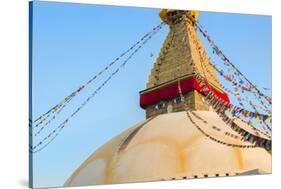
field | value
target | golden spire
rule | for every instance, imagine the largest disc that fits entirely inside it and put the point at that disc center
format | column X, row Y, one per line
column 181, row 56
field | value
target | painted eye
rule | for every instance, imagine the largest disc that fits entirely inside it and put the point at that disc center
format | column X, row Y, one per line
column 160, row 106
column 177, row 100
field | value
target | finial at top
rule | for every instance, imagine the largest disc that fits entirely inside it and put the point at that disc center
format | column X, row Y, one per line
column 170, row 16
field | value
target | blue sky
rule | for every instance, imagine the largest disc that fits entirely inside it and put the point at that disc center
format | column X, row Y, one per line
column 72, row 42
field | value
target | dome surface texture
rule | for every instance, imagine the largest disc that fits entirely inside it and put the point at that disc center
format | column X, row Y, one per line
column 167, row 147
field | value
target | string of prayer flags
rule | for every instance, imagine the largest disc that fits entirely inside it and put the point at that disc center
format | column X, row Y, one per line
column 242, row 87
column 228, row 63
column 239, row 98
column 220, row 107
column 53, row 134
column 206, row 134
column 41, row 119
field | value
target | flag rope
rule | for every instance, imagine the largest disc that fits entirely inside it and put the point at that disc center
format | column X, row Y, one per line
column 52, row 135
column 68, row 98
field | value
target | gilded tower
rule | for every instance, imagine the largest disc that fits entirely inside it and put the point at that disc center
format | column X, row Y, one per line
column 181, row 56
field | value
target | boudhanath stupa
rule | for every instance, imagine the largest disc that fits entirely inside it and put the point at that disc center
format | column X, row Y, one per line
column 183, row 136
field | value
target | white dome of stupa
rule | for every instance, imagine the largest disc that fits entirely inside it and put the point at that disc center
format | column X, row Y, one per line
column 169, row 146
